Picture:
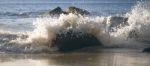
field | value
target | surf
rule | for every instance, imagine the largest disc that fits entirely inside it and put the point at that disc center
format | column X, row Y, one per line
column 108, row 31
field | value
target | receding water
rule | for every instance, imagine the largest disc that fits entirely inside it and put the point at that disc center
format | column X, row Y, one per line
column 76, row 59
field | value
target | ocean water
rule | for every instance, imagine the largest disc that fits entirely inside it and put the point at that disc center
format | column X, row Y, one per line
column 27, row 31
column 26, row 12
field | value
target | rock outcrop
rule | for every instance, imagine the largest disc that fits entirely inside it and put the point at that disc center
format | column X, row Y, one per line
column 57, row 11
column 117, row 20
column 146, row 49
column 71, row 41
column 74, row 10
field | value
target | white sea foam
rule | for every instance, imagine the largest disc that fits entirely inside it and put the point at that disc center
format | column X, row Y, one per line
column 46, row 28
column 138, row 22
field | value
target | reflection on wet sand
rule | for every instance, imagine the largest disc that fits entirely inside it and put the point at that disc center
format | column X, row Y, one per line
column 76, row 59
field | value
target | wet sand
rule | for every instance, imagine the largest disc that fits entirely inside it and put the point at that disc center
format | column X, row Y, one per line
column 77, row 59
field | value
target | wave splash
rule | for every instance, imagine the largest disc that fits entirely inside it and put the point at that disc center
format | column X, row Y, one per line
column 139, row 21
column 111, row 30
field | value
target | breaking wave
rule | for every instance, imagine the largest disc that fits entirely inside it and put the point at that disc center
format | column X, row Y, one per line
column 133, row 28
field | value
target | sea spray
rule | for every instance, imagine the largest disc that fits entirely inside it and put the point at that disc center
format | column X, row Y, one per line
column 139, row 19
column 46, row 29
column 138, row 28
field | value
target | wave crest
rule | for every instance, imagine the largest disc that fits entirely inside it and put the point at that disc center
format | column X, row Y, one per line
column 110, row 31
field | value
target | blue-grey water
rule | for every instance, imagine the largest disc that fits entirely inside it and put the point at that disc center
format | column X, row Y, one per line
column 20, row 12
column 31, row 18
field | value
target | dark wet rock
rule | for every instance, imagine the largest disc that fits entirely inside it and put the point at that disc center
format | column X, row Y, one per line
column 70, row 41
column 117, row 20
column 76, row 10
column 133, row 34
column 146, row 49
column 57, row 11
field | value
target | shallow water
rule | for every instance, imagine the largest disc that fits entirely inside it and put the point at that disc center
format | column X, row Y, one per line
column 76, row 59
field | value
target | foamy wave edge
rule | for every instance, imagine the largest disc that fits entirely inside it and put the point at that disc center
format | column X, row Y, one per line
column 46, row 28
